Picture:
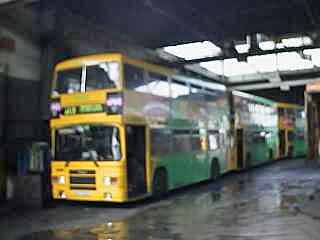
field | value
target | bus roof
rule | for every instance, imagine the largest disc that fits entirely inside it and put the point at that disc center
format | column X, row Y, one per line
column 289, row 105
column 87, row 60
column 150, row 66
column 94, row 59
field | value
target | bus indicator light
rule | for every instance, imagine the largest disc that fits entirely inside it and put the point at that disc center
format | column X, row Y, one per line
column 58, row 179
column 108, row 181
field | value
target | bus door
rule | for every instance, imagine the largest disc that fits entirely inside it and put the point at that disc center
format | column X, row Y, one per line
column 282, row 136
column 136, row 160
column 239, row 145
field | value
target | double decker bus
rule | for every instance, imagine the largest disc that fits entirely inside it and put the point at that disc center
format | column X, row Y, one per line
column 255, row 122
column 291, row 126
column 123, row 129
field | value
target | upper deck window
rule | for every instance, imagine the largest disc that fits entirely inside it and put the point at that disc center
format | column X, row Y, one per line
column 102, row 76
column 69, row 81
column 135, row 79
column 146, row 82
column 105, row 75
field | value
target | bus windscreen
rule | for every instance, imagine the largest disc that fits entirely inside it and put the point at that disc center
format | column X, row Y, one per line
column 88, row 143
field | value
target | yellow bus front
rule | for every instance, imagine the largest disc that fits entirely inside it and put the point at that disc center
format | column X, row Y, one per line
column 89, row 158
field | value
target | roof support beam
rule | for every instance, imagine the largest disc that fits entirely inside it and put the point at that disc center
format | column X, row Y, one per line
column 257, row 86
column 245, row 55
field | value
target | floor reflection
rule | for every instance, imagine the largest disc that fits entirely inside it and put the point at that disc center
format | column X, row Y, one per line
column 256, row 205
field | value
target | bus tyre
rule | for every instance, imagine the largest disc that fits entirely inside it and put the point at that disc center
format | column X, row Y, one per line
column 290, row 152
column 248, row 160
column 215, row 169
column 160, row 184
column 2, row 193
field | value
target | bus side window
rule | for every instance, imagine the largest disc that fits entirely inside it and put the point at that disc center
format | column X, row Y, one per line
column 291, row 136
column 196, row 140
column 135, row 79
column 158, row 84
column 214, row 140
column 160, row 142
column 181, row 140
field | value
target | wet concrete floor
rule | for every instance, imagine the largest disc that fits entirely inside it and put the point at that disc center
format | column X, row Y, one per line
column 276, row 202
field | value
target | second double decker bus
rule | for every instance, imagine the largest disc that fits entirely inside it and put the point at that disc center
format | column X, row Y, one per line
column 123, row 129
column 256, row 130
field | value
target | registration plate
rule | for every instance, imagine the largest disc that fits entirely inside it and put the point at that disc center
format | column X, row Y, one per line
column 82, row 193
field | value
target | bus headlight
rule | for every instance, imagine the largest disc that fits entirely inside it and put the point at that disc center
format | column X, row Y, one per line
column 108, row 181
column 59, row 179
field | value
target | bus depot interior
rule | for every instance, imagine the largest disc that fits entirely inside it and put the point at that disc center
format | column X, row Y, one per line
column 159, row 119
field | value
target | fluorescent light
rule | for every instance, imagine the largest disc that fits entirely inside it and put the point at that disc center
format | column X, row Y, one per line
column 195, row 50
column 267, row 45
column 242, row 48
column 280, row 45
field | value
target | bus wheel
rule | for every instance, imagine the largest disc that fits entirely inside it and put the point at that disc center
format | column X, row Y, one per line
column 215, row 169
column 248, row 160
column 290, row 152
column 160, row 184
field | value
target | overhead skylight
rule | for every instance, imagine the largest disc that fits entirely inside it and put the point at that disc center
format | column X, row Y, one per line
column 289, row 61
column 264, row 63
column 315, row 55
column 214, row 66
column 233, row 67
column 195, row 50
column 230, row 67
column 297, row 41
